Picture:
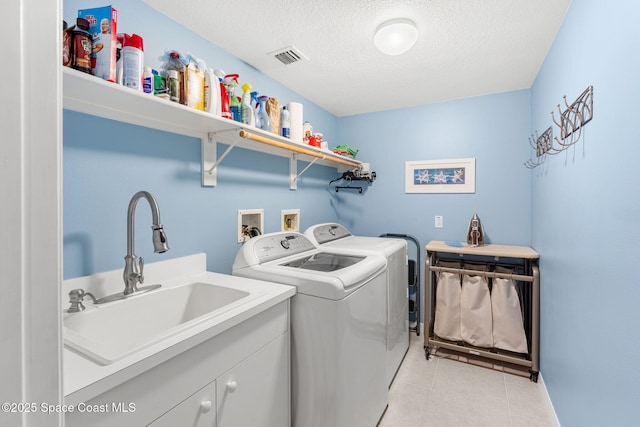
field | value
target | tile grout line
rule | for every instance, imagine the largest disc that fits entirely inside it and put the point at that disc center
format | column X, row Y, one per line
column 506, row 392
column 433, row 380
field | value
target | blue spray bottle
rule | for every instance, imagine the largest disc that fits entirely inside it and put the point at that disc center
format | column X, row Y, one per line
column 255, row 106
column 265, row 122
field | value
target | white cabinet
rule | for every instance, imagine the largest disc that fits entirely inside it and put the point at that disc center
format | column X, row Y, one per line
column 197, row 411
column 253, row 393
column 256, row 391
column 237, row 378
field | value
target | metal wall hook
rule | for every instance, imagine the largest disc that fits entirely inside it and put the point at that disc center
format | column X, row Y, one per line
column 570, row 122
column 543, row 145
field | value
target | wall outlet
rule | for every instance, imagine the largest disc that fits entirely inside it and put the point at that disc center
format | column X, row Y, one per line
column 438, row 222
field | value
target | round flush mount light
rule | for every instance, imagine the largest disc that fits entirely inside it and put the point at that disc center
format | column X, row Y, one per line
column 396, row 36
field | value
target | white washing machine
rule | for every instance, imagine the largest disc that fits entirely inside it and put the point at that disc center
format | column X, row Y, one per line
column 338, row 327
column 335, row 237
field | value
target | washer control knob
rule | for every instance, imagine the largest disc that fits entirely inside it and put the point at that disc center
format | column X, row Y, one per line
column 285, row 243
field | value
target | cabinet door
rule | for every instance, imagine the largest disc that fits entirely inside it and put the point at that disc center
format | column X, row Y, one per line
column 198, row 410
column 256, row 391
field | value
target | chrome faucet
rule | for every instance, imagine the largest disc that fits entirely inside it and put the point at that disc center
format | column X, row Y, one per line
column 133, row 271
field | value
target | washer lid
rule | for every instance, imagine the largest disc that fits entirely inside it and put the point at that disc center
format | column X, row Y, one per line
column 290, row 258
column 365, row 244
column 323, row 261
column 338, row 237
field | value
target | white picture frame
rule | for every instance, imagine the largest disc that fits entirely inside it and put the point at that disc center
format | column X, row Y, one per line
column 441, row 176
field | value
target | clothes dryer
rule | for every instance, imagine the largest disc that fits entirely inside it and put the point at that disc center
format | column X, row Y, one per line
column 335, row 237
column 338, row 327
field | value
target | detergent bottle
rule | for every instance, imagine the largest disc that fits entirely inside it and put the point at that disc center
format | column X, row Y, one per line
column 211, row 93
column 247, row 114
column 230, row 82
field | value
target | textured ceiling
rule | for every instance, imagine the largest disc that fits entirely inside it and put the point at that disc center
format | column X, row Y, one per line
column 465, row 48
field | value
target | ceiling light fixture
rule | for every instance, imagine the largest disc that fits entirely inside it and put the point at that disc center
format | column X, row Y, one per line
column 396, row 36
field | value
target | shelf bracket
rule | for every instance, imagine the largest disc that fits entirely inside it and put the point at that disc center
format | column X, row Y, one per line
column 293, row 171
column 210, row 161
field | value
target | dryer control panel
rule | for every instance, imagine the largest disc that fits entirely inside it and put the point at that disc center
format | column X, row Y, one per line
column 326, row 233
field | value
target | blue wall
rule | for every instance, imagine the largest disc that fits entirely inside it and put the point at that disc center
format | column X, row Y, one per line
column 585, row 214
column 492, row 129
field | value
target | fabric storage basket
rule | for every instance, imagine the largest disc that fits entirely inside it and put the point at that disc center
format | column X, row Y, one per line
column 508, row 326
column 475, row 309
column 447, row 319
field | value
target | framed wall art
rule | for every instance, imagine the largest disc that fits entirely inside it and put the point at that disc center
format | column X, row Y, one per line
column 441, row 176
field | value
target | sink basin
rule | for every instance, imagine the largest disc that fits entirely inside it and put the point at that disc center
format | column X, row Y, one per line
column 109, row 332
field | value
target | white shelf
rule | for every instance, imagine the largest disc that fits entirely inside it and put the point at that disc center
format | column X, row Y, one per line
column 90, row 95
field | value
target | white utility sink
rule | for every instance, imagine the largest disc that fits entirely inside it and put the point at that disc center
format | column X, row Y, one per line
column 111, row 331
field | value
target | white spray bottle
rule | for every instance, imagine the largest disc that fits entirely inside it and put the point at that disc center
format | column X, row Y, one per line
column 246, row 111
column 211, row 93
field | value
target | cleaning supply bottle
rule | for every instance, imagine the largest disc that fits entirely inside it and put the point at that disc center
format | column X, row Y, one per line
column 307, row 131
column 256, row 107
column 147, row 80
column 285, row 123
column 173, row 83
column 224, row 96
column 248, row 116
column 230, row 82
column 211, row 92
column 194, row 82
column 132, row 60
column 265, row 122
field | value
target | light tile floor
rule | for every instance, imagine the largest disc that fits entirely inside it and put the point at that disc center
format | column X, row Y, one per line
column 446, row 392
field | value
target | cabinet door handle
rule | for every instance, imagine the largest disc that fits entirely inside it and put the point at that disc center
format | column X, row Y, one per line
column 232, row 386
column 205, row 406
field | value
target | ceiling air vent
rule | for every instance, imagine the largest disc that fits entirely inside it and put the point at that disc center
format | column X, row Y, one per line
column 289, row 55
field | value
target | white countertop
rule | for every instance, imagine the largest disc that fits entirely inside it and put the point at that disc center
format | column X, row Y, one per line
column 84, row 379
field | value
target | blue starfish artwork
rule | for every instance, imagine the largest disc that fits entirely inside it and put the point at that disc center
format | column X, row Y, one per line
column 438, row 176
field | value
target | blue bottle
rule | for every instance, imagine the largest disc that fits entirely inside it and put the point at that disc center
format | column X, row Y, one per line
column 265, row 123
column 285, row 122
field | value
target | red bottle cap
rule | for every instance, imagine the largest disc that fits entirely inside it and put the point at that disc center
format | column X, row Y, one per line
column 133, row 40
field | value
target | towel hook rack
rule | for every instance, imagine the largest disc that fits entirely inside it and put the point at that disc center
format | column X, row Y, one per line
column 570, row 123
